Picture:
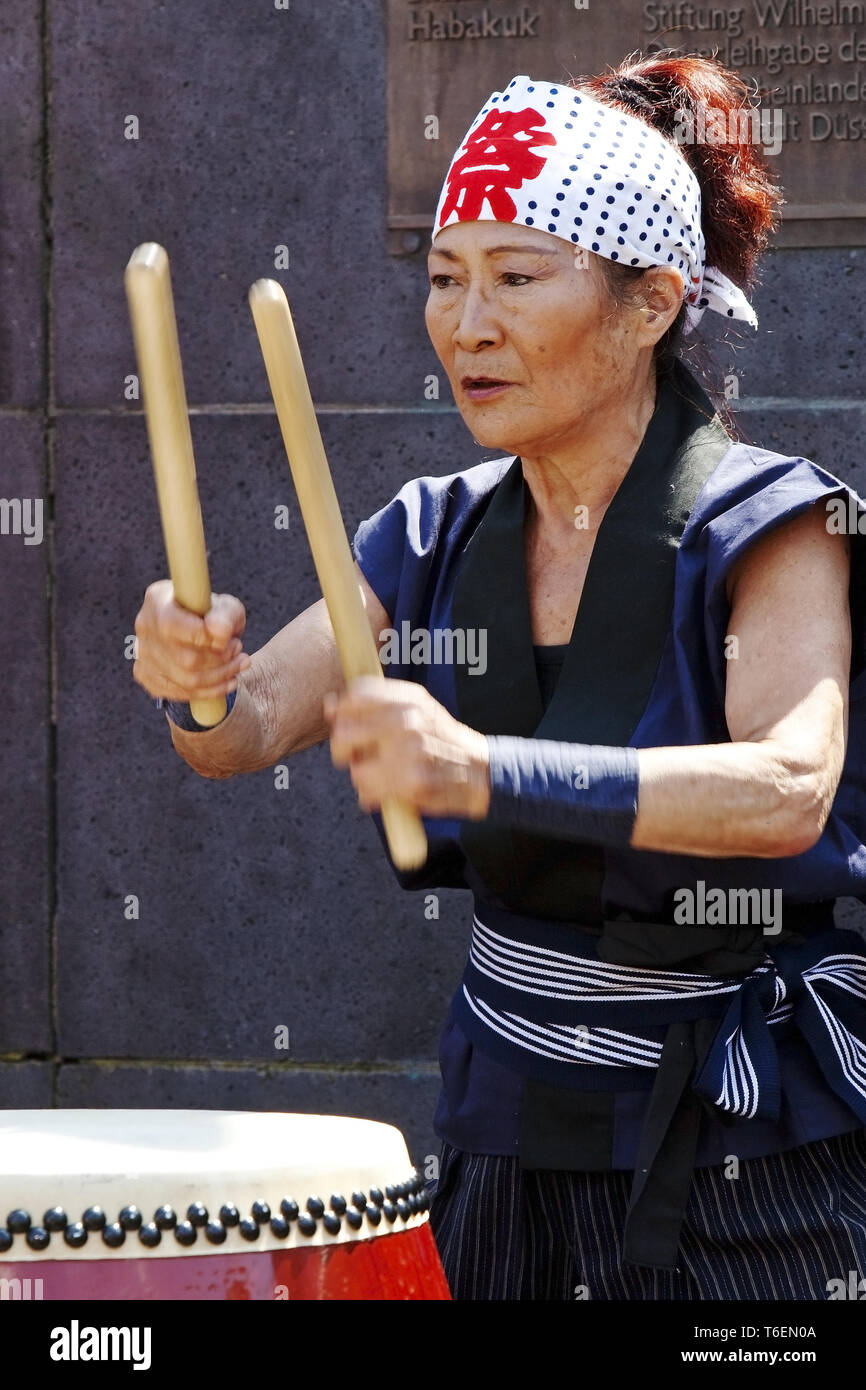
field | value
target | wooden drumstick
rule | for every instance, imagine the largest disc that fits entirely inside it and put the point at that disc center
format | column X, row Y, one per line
column 154, row 328
column 320, row 510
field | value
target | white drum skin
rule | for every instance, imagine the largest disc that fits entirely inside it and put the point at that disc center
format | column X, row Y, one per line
column 204, row 1204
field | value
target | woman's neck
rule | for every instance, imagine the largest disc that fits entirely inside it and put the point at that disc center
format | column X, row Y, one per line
column 587, row 472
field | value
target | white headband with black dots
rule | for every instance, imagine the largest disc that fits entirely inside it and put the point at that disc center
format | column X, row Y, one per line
column 554, row 158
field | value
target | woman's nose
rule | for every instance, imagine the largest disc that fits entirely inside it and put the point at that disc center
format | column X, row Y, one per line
column 477, row 321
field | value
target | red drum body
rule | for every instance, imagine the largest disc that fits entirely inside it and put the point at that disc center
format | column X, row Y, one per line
column 405, row 1266
column 174, row 1205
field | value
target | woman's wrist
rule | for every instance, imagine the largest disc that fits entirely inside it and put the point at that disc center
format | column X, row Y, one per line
column 572, row 790
column 478, row 792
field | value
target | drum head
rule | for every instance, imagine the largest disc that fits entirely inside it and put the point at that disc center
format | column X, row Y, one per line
column 92, row 1184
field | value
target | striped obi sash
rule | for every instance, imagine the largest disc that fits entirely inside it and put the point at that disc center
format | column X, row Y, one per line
column 691, row 1013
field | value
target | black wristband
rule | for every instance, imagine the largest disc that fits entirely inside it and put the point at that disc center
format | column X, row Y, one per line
column 572, row 790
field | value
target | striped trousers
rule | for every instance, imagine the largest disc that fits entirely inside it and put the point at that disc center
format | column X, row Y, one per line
column 787, row 1227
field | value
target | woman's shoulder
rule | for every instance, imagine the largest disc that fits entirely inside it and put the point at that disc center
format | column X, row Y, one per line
column 465, row 485
column 408, row 540
column 750, row 492
column 752, row 489
column 425, row 505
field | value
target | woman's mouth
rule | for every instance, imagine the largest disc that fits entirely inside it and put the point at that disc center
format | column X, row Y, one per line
column 481, row 388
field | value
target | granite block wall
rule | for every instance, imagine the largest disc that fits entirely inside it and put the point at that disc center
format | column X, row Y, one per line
column 157, row 928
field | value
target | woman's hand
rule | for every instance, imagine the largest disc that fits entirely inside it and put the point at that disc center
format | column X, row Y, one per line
column 184, row 657
column 397, row 741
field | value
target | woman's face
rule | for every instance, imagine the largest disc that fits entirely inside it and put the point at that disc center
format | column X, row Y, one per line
column 525, row 307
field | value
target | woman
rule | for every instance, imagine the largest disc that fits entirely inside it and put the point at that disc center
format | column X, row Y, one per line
column 654, row 1068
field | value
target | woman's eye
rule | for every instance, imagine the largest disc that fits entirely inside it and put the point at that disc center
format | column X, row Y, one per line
column 509, row 276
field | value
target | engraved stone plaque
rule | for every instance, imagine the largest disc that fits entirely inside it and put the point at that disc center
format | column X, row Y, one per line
column 805, row 59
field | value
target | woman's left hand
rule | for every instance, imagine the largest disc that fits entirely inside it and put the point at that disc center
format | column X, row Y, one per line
column 397, row 741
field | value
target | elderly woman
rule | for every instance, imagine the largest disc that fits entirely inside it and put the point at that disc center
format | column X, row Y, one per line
column 654, row 1067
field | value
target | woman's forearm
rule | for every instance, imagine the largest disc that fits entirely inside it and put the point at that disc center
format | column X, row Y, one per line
column 727, row 800
column 237, row 744
column 278, row 707
column 745, row 799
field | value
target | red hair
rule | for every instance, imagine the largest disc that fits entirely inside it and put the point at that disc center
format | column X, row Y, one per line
column 740, row 202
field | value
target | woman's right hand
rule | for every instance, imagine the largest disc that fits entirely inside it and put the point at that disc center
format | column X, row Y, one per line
column 181, row 656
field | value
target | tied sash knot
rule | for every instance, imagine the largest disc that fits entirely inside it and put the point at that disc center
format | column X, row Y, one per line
column 718, row 1052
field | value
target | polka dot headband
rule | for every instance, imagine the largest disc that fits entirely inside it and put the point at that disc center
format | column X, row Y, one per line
column 553, row 158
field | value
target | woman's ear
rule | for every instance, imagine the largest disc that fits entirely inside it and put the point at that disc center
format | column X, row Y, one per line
column 661, row 301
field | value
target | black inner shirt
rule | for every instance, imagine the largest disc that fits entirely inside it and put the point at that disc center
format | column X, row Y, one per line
column 548, row 665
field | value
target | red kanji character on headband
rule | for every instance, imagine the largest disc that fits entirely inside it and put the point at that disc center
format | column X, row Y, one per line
column 497, row 157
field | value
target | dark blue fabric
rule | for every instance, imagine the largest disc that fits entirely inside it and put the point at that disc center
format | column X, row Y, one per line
column 481, row 1101
column 824, row 1002
column 410, row 550
column 410, row 553
column 575, row 790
